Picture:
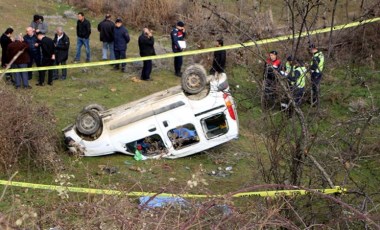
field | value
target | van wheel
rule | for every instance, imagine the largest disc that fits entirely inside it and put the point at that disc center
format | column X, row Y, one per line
column 88, row 122
column 194, row 79
column 95, row 107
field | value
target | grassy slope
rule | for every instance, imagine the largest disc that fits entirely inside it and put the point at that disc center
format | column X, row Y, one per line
column 66, row 98
column 85, row 86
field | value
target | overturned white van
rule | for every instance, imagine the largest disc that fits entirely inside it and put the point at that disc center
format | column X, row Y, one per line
column 173, row 123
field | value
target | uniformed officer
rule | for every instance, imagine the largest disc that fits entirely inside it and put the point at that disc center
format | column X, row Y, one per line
column 178, row 35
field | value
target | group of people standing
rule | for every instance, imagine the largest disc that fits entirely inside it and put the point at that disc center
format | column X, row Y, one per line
column 36, row 48
column 295, row 71
column 115, row 39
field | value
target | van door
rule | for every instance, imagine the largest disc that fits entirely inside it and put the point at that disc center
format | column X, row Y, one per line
column 179, row 127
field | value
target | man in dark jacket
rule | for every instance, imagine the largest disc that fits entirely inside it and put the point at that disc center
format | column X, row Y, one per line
column 271, row 71
column 219, row 62
column 106, row 29
column 178, row 35
column 48, row 58
column 121, row 39
column 146, row 46
column 83, row 37
column 21, row 62
column 5, row 40
column 34, row 49
column 62, row 45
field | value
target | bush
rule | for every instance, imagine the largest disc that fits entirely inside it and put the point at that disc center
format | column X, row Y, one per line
column 27, row 132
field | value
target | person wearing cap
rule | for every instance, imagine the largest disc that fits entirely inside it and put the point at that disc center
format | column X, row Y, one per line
column 34, row 49
column 83, row 37
column 48, row 58
column 146, row 47
column 316, row 68
column 272, row 68
column 62, row 45
column 219, row 62
column 297, row 80
column 21, row 62
column 121, row 40
column 178, row 35
column 106, row 29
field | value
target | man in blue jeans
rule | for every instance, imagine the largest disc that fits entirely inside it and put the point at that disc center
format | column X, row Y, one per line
column 83, row 36
column 106, row 29
column 21, row 62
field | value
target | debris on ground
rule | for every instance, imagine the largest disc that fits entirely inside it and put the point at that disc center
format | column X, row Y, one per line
column 135, row 79
column 167, row 167
column 220, row 172
column 128, row 162
column 138, row 156
column 159, row 202
column 137, row 169
column 107, row 169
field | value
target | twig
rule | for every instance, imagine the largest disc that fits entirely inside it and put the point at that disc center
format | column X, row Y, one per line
column 10, row 64
column 5, row 189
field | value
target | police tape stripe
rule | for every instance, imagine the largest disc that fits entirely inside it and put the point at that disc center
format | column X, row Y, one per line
column 193, row 52
column 336, row 190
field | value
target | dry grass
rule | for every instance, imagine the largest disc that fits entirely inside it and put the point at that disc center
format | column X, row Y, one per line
column 27, row 133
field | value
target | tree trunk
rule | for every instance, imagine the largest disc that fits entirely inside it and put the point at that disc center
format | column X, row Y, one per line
column 331, row 31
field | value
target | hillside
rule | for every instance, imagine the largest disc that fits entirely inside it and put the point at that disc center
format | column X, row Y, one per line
column 272, row 153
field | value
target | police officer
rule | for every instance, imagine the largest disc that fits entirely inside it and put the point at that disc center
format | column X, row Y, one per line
column 297, row 81
column 178, row 35
column 316, row 69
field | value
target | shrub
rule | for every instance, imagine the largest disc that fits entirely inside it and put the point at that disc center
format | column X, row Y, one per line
column 27, row 132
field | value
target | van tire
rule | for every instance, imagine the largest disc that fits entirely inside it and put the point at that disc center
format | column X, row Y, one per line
column 95, row 107
column 88, row 122
column 194, row 79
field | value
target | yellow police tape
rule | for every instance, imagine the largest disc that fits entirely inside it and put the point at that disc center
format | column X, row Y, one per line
column 278, row 193
column 193, row 52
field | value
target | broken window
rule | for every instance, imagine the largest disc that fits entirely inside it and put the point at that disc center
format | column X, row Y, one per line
column 148, row 146
column 183, row 136
column 215, row 126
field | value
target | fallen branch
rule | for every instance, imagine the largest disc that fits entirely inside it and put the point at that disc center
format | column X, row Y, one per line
column 10, row 64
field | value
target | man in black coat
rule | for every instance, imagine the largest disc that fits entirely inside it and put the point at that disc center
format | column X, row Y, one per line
column 48, row 58
column 106, row 29
column 62, row 45
column 219, row 62
column 83, row 37
column 5, row 40
column 146, row 46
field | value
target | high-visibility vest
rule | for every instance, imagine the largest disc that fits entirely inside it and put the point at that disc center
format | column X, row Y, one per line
column 300, row 83
column 321, row 62
column 288, row 67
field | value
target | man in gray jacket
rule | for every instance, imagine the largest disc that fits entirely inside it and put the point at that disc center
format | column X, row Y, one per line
column 38, row 24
